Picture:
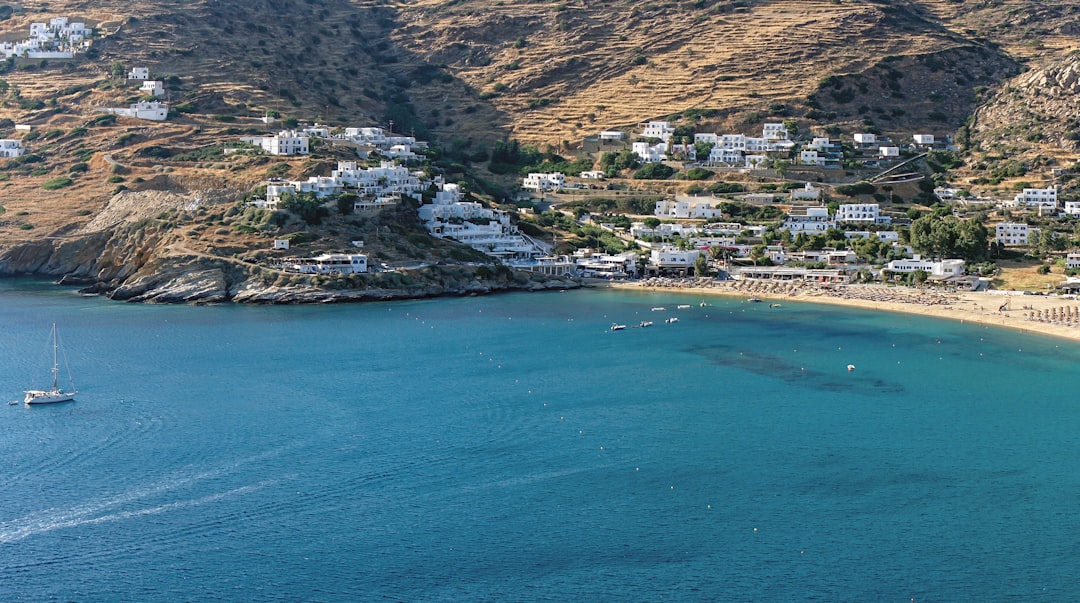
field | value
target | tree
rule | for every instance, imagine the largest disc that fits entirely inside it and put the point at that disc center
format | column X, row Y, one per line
column 117, row 69
column 703, row 149
column 757, row 252
column 792, row 127
column 652, row 222
column 701, row 266
column 654, row 171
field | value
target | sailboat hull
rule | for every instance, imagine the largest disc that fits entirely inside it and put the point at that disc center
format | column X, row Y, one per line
column 52, row 397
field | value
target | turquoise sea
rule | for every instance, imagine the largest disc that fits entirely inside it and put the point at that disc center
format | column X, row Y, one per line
column 513, row 448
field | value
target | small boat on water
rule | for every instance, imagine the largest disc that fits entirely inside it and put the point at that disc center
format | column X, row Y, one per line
column 617, row 327
column 659, row 309
column 683, row 306
column 646, row 323
column 672, row 319
column 774, row 305
column 55, row 394
column 753, row 299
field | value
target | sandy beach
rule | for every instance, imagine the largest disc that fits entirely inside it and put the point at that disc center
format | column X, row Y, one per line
column 1047, row 315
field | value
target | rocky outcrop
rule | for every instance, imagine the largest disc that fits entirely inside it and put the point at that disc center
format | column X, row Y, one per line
column 1038, row 106
column 133, row 264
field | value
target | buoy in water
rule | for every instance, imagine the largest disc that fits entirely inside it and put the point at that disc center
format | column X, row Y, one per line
column 851, row 367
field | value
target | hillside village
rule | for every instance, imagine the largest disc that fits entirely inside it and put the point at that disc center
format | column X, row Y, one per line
column 796, row 200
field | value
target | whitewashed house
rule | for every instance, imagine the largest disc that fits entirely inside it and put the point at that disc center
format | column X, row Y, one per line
column 806, row 193
column 650, row 153
column 1014, row 233
column 885, row 236
column 689, row 208
column 151, row 110
column 153, row 87
column 330, row 263
column 756, row 162
column 611, row 135
column 924, row 140
column 943, row 268
column 864, row 140
column 486, row 230
column 811, row 157
column 593, row 175
column 285, row 142
column 139, row 73
column 859, row 213
column 888, row 152
column 1072, row 208
column 1072, row 261
column 672, row 259
column 774, row 131
column 544, row 182
column 658, row 129
column 721, row 155
column 811, row 220
column 1042, row 198
column 11, row 147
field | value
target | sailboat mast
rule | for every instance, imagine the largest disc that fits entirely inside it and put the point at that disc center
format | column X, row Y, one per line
column 55, row 362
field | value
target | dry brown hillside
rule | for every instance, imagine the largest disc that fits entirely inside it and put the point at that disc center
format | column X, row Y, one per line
column 468, row 72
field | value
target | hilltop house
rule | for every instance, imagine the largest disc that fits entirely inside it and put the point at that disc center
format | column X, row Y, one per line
column 888, row 152
column 10, row 147
column 865, row 140
column 774, row 131
column 384, row 184
column 139, row 73
column 658, row 129
column 1072, row 208
column 1041, row 198
column 923, row 140
column 151, row 110
column 285, row 142
column 153, row 87
column 544, row 182
column 611, row 135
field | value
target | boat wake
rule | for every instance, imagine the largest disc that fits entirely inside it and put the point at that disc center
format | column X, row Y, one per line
column 26, row 527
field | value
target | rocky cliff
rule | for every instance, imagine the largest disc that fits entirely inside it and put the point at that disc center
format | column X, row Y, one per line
column 134, row 251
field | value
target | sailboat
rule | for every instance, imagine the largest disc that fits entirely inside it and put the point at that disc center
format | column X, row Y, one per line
column 37, row 396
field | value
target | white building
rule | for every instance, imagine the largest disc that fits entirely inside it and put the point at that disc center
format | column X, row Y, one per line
column 812, row 220
column 931, row 267
column 544, row 182
column 376, row 187
column 611, row 135
column 285, row 142
column 10, row 147
column 1014, row 233
column 650, row 153
column 860, row 213
column 673, row 259
column 57, row 39
column 811, row 157
column 757, row 162
column 807, row 193
column 139, row 73
column 151, row 110
column 885, row 236
column 330, row 263
column 1072, row 208
column 1036, row 197
column 727, row 156
column 888, row 152
column 153, row 87
column 486, row 230
column 658, row 129
column 689, row 208
column 923, row 139
column 1072, row 261
column 593, row 175
column 865, row 140
column 774, row 131
column 591, row 264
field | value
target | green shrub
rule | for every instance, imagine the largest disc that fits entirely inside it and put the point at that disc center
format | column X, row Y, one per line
column 57, row 183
